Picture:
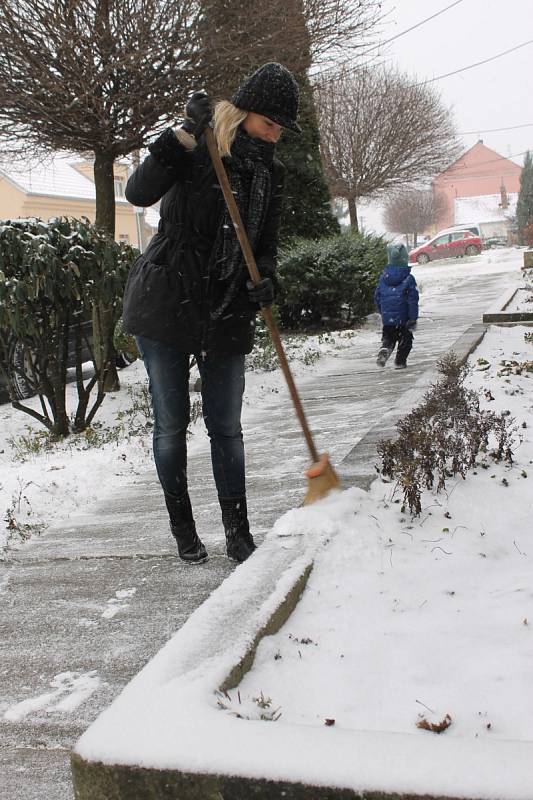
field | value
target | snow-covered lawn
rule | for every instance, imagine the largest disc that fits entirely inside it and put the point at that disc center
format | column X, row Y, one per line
column 521, row 301
column 408, row 621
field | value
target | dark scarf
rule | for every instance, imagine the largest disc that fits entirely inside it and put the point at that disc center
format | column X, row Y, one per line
column 250, row 178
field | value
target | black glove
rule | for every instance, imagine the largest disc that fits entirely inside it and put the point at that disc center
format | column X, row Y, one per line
column 198, row 114
column 410, row 324
column 262, row 292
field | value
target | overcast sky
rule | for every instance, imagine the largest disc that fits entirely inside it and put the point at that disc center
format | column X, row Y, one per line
column 494, row 95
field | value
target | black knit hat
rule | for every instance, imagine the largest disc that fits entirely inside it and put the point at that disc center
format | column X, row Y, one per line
column 271, row 91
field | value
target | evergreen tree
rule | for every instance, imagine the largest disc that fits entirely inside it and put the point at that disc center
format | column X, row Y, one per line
column 253, row 32
column 524, row 207
column 306, row 204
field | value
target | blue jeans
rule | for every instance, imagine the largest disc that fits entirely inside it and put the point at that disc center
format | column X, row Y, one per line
column 222, row 391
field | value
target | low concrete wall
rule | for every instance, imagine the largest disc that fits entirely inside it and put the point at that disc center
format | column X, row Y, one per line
column 277, row 578
column 497, row 315
column 124, row 783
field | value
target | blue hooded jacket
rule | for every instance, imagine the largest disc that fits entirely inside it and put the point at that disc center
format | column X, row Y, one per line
column 396, row 295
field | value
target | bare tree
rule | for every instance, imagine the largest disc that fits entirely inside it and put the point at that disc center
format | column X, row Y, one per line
column 94, row 77
column 380, row 130
column 100, row 76
column 240, row 35
column 412, row 211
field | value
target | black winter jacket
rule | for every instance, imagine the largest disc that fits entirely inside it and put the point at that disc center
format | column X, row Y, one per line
column 170, row 293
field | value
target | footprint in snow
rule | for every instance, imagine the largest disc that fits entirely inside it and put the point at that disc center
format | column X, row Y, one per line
column 70, row 690
column 117, row 603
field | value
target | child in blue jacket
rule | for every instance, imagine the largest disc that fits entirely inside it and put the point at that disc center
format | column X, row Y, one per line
column 396, row 298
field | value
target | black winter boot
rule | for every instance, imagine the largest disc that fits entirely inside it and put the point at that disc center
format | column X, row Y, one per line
column 239, row 542
column 190, row 548
column 383, row 356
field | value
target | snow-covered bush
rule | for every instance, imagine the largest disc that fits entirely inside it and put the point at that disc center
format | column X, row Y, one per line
column 53, row 275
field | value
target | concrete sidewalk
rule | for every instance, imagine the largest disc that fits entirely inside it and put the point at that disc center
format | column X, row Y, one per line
column 58, row 591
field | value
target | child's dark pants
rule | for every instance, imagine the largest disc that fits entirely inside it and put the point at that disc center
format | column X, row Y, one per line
column 393, row 334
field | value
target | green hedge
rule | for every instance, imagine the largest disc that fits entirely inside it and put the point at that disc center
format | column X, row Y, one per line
column 329, row 283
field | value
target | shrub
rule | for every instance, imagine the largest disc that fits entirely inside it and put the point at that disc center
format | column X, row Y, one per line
column 442, row 437
column 330, row 282
column 53, row 275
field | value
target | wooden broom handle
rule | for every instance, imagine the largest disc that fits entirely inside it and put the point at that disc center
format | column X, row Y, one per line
column 256, row 277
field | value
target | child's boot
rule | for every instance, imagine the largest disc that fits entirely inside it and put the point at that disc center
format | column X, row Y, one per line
column 383, row 356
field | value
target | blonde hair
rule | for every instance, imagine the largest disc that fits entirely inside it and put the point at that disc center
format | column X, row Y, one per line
column 227, row 119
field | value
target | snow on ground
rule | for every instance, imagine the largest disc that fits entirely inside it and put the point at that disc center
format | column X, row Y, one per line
column 404, row 620
column 427, row 618
column 69, row 690
column 434, row 278
column 521, row 301
column 41, row 487
column 43, row 484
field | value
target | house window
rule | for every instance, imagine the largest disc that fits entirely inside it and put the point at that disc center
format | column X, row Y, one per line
column 124, row 237
column 119, row 187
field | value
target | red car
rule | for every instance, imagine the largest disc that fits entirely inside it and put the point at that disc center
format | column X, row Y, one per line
column 447, row 244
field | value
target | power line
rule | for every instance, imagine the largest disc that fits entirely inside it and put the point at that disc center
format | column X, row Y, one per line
column 495, row 130
column 477, row 64
column 388, row 41
column 412, row 28
column 494, row 160
column 458, row 177
column 452, row 179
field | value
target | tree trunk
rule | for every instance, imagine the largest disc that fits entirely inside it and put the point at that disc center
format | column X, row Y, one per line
column 104, row 182
column 104, row 353
column 352, row 208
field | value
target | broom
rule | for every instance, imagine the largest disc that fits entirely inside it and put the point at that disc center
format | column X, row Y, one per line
column 321, row 476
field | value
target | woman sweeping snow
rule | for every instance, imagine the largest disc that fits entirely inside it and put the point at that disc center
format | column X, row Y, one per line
column 189, row 293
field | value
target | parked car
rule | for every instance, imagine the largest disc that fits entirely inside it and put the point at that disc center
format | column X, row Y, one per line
column 495, row 241
column 475, row 228
column 447, row 244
